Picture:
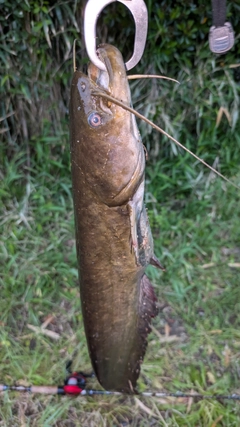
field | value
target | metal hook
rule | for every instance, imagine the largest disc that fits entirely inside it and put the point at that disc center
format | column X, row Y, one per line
column 139, row 12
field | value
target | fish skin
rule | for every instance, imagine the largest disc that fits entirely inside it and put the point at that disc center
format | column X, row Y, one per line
column 113, row 236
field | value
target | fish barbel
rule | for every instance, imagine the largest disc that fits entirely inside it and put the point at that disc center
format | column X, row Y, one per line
column 113, row 236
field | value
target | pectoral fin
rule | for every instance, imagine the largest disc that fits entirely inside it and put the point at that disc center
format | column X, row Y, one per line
column 156, row 263
column 135, row 207
column 133, row 224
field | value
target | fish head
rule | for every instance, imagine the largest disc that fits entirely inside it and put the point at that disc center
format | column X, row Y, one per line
column 105, row 142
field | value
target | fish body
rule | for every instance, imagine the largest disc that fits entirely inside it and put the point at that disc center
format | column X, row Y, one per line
column 113, row 236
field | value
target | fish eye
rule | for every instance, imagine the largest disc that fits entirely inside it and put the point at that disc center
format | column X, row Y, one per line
column 94, row 119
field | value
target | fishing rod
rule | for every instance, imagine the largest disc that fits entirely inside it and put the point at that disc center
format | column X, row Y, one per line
column 76, row 382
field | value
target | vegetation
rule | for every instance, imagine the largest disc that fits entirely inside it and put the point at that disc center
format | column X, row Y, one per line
column 194, row 345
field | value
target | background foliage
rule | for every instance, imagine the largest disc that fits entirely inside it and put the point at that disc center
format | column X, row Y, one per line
column 194, row 216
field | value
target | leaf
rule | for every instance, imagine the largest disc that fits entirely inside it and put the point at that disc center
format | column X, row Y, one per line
column 46, row 332
column 220, row 113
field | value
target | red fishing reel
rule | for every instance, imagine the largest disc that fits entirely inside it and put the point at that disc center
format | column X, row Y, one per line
column 75, row 382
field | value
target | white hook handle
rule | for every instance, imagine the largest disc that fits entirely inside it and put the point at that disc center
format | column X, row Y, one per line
column 139, row 12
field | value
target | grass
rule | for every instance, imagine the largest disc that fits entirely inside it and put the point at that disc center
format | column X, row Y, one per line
column 195, row 342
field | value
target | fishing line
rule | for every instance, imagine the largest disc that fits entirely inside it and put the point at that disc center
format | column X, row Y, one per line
column 140, row 116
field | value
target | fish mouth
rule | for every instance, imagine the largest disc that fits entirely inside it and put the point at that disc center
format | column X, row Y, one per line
column 114, row 80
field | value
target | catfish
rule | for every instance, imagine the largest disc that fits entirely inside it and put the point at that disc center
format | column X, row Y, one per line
column 113, row 236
